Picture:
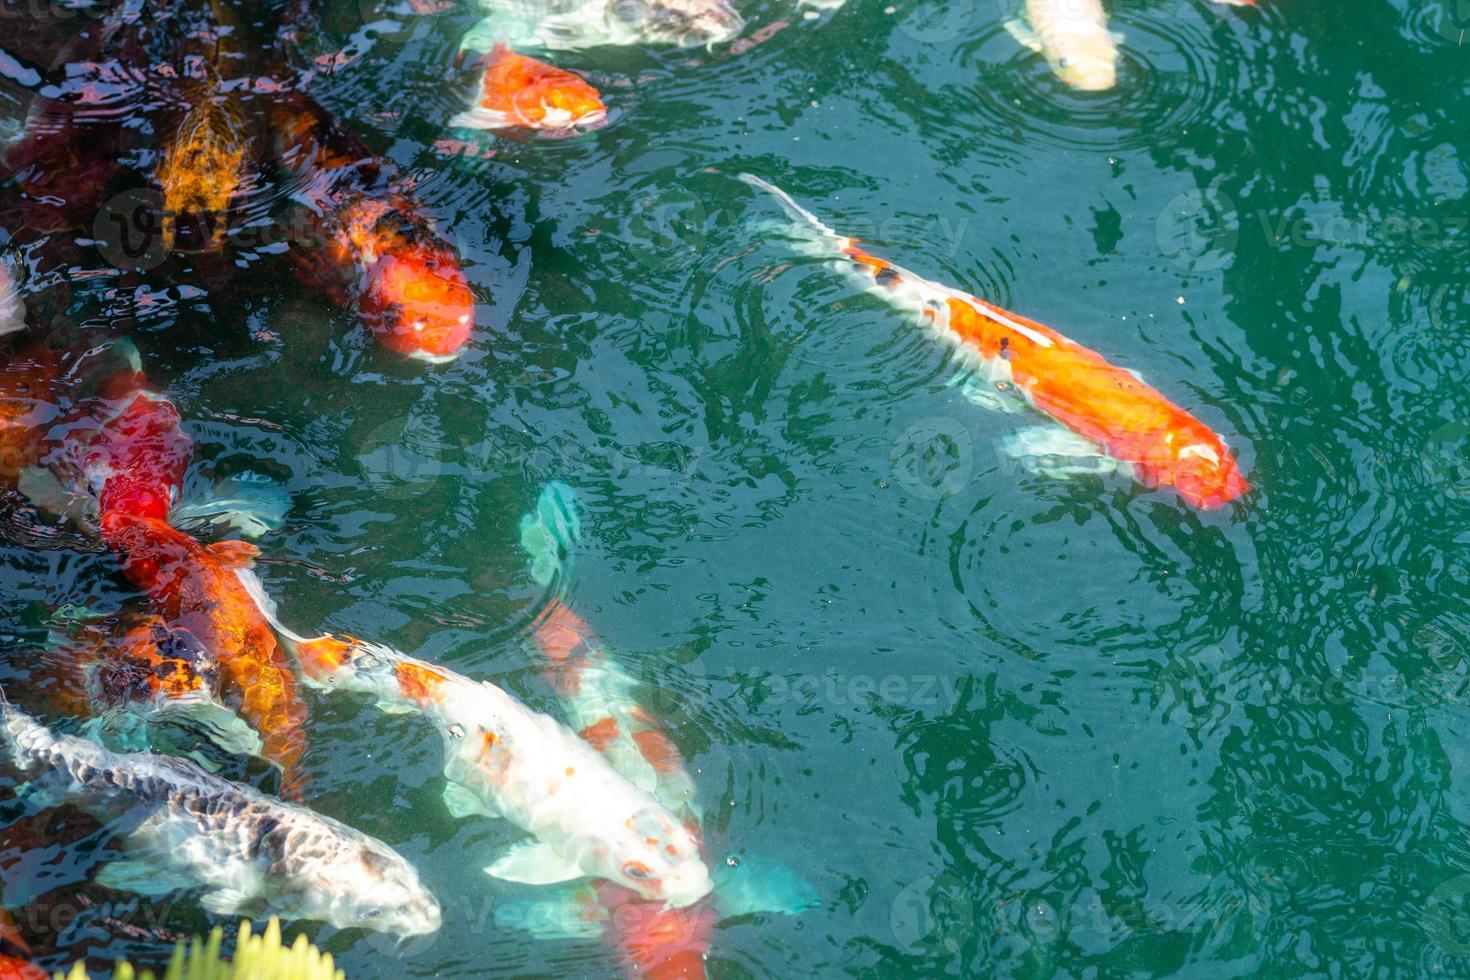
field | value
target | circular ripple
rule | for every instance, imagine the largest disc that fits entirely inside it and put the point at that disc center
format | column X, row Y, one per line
column 1166, row 82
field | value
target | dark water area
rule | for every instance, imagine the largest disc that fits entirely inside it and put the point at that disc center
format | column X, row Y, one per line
column 1005, row 724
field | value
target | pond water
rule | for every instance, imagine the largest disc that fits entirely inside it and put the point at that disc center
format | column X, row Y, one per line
column 1004, row 723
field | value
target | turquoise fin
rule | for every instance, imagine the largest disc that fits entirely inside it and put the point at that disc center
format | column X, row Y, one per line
column 749, row 885
column 550, row 533
column 143, row 877
column 252, row 505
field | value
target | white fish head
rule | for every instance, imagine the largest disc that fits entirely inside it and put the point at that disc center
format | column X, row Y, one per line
column 656, row 856
column 373, row 887
column 1089, row 62
column 687, row 23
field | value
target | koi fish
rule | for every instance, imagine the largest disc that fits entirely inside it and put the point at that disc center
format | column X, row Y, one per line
column 515, row 90
column 503, row 759
column 135, row 462
column 1074, row 38
column 576, row 24
column 203, row 166
column 370, row 244
column 651, row 940
column 28, row 404
column 193, row 588
column 247, row 849
column 15, row 955
column 129, row 674
column 1115, row 412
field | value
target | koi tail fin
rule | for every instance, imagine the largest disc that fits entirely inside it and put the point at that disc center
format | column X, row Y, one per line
column 267, row 606
column 252, row 505
column 751, row 884
column 818, row 239
column 550, row 534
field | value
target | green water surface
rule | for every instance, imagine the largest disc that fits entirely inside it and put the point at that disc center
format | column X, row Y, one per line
column 1006, row 725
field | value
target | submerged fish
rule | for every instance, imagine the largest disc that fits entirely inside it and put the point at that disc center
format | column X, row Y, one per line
column 652, row 940
column 193, row 587
column 1074, row 38
column 203, row 167
column 135, row 461
column 572, row 24
column 503, row 759
column 28, row 404
column 1109, row 407
column 247, row 849
column 515, row 90
column 368, row 242
column 130, row 675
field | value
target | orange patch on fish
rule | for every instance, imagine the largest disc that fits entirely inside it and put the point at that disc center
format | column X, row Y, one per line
column 601, row 734
column 659, row 750
column 324, row 656
column 421, row 684
column 516, row 90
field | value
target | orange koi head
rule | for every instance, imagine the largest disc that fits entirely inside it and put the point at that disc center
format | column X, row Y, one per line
column 413, row 295
column 519, row 91
column 1196, row 463
column 136, row 462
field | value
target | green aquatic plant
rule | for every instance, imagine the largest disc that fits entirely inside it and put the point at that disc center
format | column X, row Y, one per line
column 262, row 957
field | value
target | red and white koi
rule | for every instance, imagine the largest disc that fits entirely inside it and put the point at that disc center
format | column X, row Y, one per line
column 503, row 759
column 1107, row 406
column 518, row 91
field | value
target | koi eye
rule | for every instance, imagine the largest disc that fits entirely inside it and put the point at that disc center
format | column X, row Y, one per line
column 637, row 871
column 372, row 913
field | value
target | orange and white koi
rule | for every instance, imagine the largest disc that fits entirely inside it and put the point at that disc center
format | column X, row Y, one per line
column 518, row 91
column 600, row 700
column 370, row 244
column 503, row 759
column 1109, row 408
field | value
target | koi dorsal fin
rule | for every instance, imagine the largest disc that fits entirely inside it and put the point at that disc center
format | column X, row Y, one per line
column 234, row 554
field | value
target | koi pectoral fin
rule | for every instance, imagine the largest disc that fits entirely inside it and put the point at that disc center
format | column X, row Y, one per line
column 1023, row 33
column 462, row 802
column 534, row 863
column 1050, row 450
column 142, row 877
